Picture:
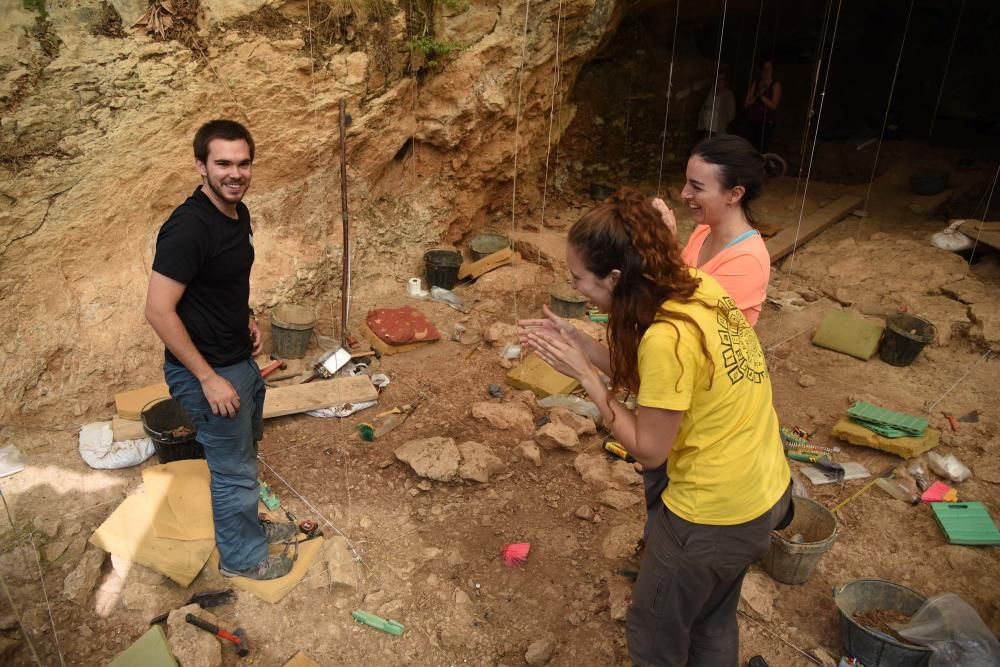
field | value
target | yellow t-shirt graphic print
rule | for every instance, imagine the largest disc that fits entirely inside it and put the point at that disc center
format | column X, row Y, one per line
column 727, row 465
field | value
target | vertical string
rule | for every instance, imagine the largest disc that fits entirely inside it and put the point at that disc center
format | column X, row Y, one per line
column 517, row 134
column 670, row 90
column 947, row 64
column 556, row 76
column 718, row 64
column 888, row 106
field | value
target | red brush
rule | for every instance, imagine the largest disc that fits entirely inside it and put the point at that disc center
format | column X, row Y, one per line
column 515, row 554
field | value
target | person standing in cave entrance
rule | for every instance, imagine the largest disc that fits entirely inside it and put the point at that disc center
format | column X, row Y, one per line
column 680, row 344
column 718, row 110
column 198, row 304
column 761, row 105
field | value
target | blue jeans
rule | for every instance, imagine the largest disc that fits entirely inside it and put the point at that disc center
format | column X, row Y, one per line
column 231, row 451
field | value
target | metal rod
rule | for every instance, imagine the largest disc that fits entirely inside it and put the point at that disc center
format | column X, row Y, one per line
column 345, row 284
column 763, row 627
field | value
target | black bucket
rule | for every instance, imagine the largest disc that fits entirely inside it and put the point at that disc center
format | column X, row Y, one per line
column 442, row 267
column 905, row 336
column 171, row 430
column 870, row 647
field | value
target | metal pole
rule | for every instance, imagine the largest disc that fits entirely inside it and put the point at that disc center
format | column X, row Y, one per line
column 345, row 284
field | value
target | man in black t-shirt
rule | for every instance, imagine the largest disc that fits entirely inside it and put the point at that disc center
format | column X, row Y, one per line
column 198, row 304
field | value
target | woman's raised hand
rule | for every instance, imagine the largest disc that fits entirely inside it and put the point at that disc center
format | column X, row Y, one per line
column 668, row 215
column 553, row 339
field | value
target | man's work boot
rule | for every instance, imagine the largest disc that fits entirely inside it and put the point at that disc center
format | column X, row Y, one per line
column 276, row 533
column 271, row 567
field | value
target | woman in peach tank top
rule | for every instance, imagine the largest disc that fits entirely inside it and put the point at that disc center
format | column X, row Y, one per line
column 724, row 175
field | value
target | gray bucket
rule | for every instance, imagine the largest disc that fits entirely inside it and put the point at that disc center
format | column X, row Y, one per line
column 793, row 562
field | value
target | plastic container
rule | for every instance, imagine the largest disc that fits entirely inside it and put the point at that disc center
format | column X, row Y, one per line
column 792, row 559
column 442, row 268
column 905, row 336
column 484, row 245
column 567, row 302
column 171, row 430
column 291, row 329
column 874, row 649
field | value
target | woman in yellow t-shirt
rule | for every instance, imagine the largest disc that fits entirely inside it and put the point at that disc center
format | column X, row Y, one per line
column 677, row 341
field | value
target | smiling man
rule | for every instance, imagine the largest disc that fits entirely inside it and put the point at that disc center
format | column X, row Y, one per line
column 198, row 304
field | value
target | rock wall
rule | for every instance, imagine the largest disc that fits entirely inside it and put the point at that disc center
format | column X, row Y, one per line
column 95, row 138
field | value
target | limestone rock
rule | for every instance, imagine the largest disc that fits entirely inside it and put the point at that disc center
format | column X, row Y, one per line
column 340, row 562
column 620, row 541
column 505, row 416
column 582, row 425
column 619, row 598
column 81, row 581
column 435, row 458
column 584, row 512
column 499, row 334
column 618, row 500
column 53, row 550
column 623, row 474
column 758, row 593
column 508, row 279
column 459, row 630
column 540, row 652
column 193, row 647
column 594, row 470
column 530, row 451
column 151, row 600
column 220, row 11
column 806, row 381
column 46, row 527
column 478, row 462
column 553, row 435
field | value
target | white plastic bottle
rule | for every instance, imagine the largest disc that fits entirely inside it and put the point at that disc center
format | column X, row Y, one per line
column 848, row 661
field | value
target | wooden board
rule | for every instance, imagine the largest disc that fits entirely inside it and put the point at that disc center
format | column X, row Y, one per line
column 126, row 429
column 385, row 348
column 540, row 378
column 784, row 241
column 986, row 232
column 130, row 403
column 487, row 264
column 318, row 394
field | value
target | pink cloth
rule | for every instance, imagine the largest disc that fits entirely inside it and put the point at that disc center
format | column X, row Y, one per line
column 742, row 269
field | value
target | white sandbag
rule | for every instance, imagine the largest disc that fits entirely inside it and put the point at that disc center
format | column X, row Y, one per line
column 951, row 239
column 99, row 450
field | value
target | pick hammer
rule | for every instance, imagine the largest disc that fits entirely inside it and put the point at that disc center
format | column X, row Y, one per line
column 238, row 636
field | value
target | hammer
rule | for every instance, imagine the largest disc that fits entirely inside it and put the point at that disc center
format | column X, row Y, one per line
column 238, row 636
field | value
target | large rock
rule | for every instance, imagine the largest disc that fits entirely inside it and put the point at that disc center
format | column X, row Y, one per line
column 530, row 451
column 619, row 597
column 582, row 425
column 499, row 334
column 620, row 541
column 339, row 558
column 508, row 279
column 540, row 651
column 478, row 462
column 758, row 593
column 623, row 474
column 81, row 581
column 618, row 500
column 594, row 470
column 506, row 416
column 193, row 647
column 555, row 436
column 434, row 458
column 220, row 11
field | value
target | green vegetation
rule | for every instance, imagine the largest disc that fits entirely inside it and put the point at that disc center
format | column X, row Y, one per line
column 433, row 49
column 37, row 6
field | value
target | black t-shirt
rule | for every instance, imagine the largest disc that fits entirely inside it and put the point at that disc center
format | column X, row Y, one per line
column 212, row 255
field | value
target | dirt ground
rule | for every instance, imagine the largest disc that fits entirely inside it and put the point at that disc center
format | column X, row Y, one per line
column 431, row 551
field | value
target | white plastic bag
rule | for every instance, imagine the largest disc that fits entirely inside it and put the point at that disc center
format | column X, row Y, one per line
column 951, row 239
column 948, row 466
column 953, row 630
column 98, row 449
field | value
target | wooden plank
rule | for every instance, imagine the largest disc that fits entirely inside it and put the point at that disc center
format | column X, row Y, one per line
column 126, row 429
column 130, row 403
column 985, row 232
column 318, row 394
column 784, row 241
column 486, row 264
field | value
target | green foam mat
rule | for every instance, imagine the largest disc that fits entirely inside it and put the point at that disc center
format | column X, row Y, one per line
column 149, row 650
column 966, row 523
column 843, row 332
column 887, row 422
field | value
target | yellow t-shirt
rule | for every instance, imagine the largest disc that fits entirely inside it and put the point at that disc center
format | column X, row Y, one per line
column 727, row 465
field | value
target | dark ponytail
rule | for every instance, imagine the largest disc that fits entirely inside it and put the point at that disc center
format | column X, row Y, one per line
column 740, row 164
